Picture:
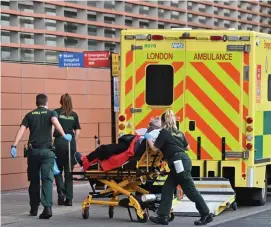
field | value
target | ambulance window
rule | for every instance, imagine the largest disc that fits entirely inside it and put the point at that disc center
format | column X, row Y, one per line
column 159, row 85
column 269, row 87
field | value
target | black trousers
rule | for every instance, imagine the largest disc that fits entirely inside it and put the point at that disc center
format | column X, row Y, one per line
column 184, row 179
column 64, row 186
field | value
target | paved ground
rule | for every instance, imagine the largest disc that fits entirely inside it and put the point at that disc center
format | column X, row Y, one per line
column 15, row 210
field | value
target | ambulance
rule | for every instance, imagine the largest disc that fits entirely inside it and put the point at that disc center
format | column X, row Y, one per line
column 218, row 83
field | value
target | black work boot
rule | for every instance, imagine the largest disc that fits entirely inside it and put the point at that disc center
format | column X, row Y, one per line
column 204, row 219
column 163, row 220
column 68, row 202
column 61, row 199
column 46, row 213
column 34, row 211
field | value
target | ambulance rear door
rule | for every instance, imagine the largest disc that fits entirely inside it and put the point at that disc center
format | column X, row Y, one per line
column 158, row 78
column 216, row 98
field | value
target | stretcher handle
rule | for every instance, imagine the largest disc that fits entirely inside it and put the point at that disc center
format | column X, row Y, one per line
column 69, row 150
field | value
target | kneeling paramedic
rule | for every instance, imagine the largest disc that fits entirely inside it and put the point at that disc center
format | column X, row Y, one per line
column 40, row 157
column 172, row 143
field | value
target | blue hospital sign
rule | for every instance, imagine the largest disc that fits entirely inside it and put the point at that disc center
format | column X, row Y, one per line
column 69, row 59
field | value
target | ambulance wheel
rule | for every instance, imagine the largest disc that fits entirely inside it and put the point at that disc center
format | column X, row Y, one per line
column 111, row 212
column 144, row 219
column 85, row 213
column 234, row 206
column 260, row 194
column 171, row 217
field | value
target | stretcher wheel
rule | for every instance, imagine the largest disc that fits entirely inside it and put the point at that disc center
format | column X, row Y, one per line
column 111, row 212
column 85, row 213
column 145, row 218
column 171, row 217
column 234, row 206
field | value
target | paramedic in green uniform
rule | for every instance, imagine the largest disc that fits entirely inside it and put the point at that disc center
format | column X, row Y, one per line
column 173, row 144
column 40, row 157
column 70, row 122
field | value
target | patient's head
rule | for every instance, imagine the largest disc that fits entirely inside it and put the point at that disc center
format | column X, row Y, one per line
column 155, row 123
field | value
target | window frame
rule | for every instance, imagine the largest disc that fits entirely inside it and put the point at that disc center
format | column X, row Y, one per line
column 172, row 89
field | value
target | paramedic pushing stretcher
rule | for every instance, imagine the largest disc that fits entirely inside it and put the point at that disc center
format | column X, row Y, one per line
column 40, row 157
column 172, row 143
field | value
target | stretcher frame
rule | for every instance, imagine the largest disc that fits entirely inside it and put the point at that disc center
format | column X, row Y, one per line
column 121, row 182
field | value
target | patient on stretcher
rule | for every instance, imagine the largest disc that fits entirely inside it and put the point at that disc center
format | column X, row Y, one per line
column 129, row 148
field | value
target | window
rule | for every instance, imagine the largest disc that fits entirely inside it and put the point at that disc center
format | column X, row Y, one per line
column 92, row 30
column 50, row 9
column 50, row 25
column 92, row 44
column 26, row 7
column 6, row 36
column 159, row 85
column 4, row 4
column 27, row 38
column 129, row 22
column 109, row 4
column 92, row 17
column 26, row 22
column 161, row 26
column 128, row 7
column 5, row 19
column 51, row 56
column 108, row 46
column 269, row 88
column 70, row 27
column 27, row 54
column 50, row 40
column 109, row 33
column 143, row 24
column 6, row 53
column 70, row 42
column 161, row 13
column 109, row 20
column 144, row 10
column 70, row 13
column 91, row 3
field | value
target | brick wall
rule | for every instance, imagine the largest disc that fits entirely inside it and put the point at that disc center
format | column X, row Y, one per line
column 20, row 83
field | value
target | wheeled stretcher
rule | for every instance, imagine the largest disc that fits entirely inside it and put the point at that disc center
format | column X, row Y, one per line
column 131, row 189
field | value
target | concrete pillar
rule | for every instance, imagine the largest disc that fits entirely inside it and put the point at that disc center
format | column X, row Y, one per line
column 39, row 39
column 38, row 7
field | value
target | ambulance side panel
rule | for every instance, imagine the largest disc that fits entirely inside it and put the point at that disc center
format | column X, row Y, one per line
column 261, row 91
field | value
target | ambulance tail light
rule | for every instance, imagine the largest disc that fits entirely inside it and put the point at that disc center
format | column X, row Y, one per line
column 121, row 126
column 249, row 120
column 121, row 118
column 215, row 37
column 249, row 146
column 249, row 129
column 157, row 37
column 244, row 175
column 249, row 137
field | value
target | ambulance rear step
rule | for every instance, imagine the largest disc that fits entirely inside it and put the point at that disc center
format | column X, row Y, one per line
column 216, row 192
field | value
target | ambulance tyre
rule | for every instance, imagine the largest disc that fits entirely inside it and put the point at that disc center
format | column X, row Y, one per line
column 260, row 195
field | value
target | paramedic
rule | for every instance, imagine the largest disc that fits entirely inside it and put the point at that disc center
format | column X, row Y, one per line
column 70, row 122
column 40, row 157
column 172, row 143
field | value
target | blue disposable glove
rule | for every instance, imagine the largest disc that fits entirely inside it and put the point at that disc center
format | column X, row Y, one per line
column 68, row 137
column 147, row 136
column 56, row 170
column 13, row 152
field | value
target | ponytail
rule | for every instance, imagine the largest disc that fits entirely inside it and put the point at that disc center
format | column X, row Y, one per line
column 169, row 120
column 66, row 103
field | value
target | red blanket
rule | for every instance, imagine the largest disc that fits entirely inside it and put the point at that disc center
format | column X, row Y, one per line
column 114, row 161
